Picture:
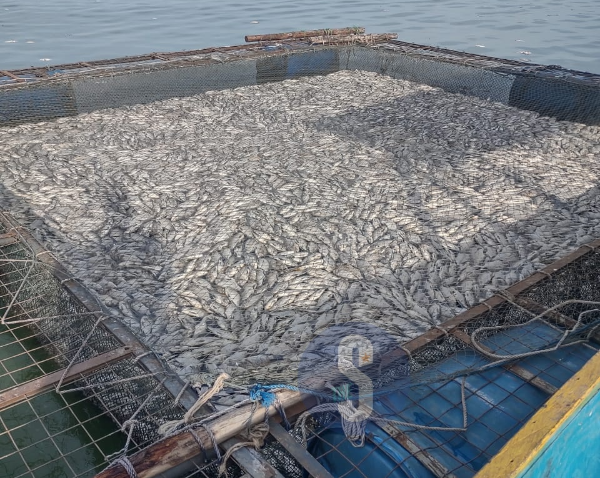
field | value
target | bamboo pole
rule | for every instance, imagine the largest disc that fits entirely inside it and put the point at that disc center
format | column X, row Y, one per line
column 304, row 34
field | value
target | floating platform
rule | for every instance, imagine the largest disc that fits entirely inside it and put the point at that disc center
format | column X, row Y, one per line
column 501, row 389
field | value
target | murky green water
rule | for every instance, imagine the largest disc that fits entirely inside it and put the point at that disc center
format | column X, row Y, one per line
column 49, row 435
column 33, row 32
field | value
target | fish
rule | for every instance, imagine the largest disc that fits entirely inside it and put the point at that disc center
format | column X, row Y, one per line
column 230, row 228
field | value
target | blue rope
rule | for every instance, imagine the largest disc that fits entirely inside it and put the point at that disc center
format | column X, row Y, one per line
column 263, row 395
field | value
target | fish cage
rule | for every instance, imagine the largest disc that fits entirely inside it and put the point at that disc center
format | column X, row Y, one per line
column 233, row 219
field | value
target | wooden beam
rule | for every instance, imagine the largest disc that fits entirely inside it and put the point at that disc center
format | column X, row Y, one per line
column 251, row 461
column 304, row 34
column 170, row 452
column 308, row 462
column 8, row 239
column 475, row 312
column 81, row 294
column 42, row 384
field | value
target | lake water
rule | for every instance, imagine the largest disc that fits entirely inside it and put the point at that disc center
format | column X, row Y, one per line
column 35, row 33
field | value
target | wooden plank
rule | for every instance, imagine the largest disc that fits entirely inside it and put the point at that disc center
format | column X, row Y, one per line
column 527, row 443
column 12, row 75
column 304, row 34
column 513, row 367
column 475, row 312
column 45, row 383
column 8, row 239
column 172, row 451
column 251, row 461
column 308, row 462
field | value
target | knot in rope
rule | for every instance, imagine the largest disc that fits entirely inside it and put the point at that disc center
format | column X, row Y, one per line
column 264, row 395
column 260, row 394
column 256, row 437
column 126, row 464
column 354, row 422
column 172, row 426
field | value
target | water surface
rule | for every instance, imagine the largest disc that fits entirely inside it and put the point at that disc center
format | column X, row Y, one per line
column 35, row 33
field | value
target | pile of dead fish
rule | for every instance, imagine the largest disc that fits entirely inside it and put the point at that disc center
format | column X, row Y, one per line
column 229, row 228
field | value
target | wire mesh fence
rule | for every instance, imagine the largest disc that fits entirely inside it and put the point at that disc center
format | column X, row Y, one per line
column 68, row 384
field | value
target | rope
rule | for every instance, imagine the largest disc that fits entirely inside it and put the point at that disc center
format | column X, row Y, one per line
column 354, row 421
column 181, row 392
column 483, row 350
column 169, row 427
column 126, row 464
column 141, row 356
column 256, row 436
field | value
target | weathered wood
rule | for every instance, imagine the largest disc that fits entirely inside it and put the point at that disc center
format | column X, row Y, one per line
column 170, row 452
column 42, row 384
column 475, row 312
column 252, row 462
column 304, row 34
column 11, row 75
column 308, row 462
column 8, row 239
column 335, row 39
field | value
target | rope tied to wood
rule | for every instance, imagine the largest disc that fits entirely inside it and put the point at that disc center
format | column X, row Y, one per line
column 127, row 466
column 256, row 439
column 170, row 427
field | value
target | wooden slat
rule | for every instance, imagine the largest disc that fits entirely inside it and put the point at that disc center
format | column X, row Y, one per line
column 12, row 75
column 523, row 448
column 45, row 383
column 8, row 239
column 172, row 383
column 475, row 312
column 308, row 462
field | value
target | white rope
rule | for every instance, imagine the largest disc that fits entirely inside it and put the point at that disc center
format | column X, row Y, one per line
column 181, row 392
column 483, row 350
column 169, row 427
column 354, row 421
column 126, row 464
column 256, row 439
